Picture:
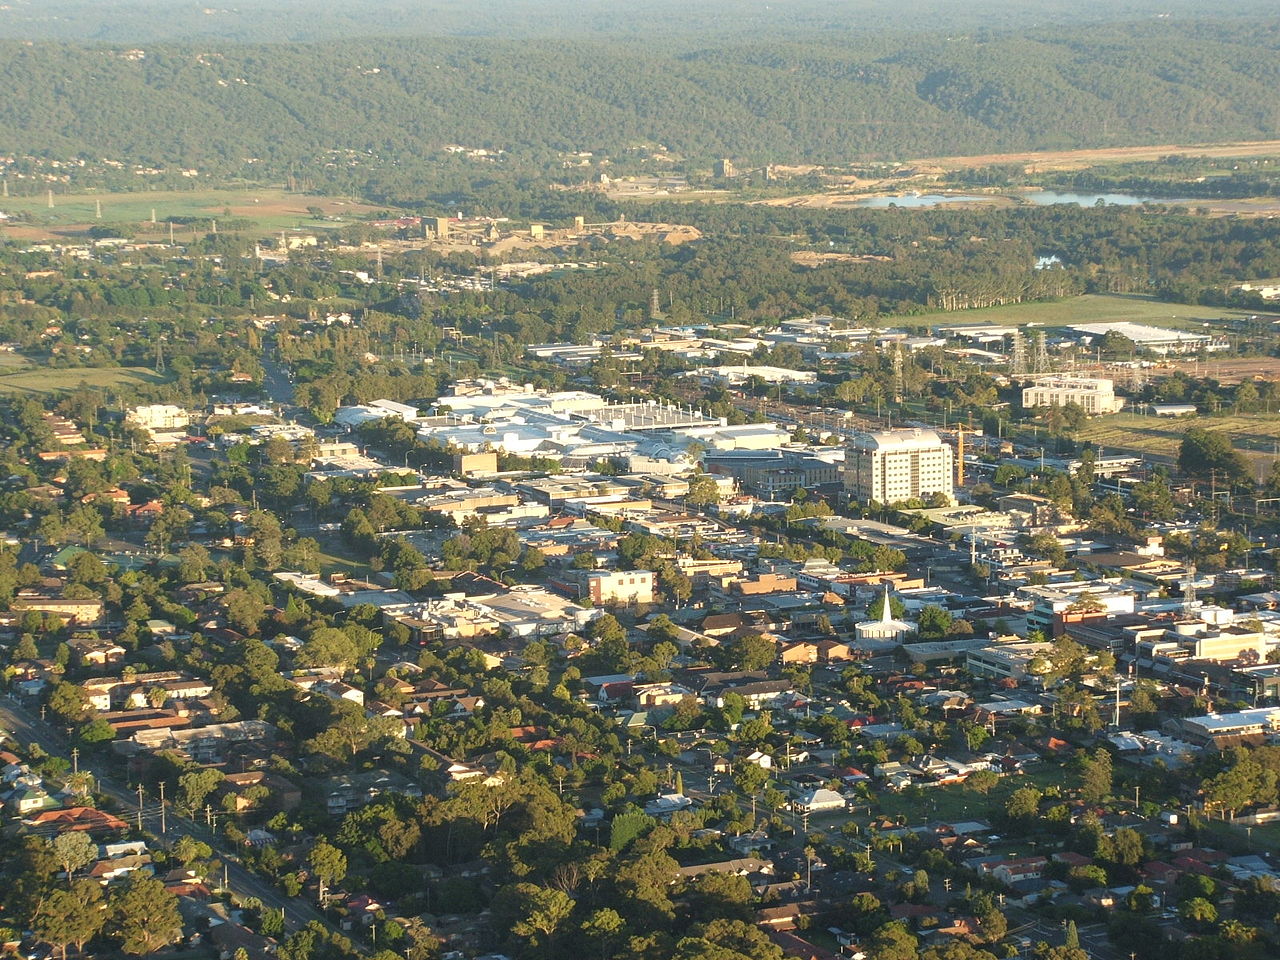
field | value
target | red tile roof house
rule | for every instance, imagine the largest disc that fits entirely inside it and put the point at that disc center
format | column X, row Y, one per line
column 959, row 927
column 1193, row 865
column 77, row 818
column 796, row 946
column 1157, row 871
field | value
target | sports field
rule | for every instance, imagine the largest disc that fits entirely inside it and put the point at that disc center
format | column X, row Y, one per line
column 1088, row 308
column 269, row 209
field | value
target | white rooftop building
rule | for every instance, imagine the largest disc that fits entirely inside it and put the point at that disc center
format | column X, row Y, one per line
column 741, row 373
column 886, row 628
column 897, row 465
column 1155, row 339
column 158, row 416
column 354, row 416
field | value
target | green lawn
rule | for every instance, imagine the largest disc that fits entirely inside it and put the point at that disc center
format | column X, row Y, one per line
column 961, row 803
column 332, row 561
column 1088, row 308
column 1239, row 839
column 36, row 382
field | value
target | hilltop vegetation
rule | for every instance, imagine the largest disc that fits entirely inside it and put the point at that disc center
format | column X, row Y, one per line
column 344, row 107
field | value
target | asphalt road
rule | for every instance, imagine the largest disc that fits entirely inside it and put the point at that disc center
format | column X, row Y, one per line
column 26, row 727
column 276, row 383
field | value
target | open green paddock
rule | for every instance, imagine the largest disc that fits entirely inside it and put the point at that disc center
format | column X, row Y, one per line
column 36, row 381
column 268, row 208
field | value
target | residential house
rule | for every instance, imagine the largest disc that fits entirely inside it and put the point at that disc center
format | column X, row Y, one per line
column 246, row 788
column 85, row 819
column 650, row 695
column 818, row 800
column 802, row 651
column 756, row 693
column 104, row 871
column 741, row 866
column 339, row 690
column 1017, row 869
column 27, row 800
column 94, row 651
column 350, row 792
column 665, row 804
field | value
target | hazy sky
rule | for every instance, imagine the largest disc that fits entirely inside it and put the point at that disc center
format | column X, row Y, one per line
column 281, row 20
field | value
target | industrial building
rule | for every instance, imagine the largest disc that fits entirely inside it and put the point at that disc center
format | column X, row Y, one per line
column 1092, row 394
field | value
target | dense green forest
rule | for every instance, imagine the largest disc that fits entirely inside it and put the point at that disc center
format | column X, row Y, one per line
column 824, row 99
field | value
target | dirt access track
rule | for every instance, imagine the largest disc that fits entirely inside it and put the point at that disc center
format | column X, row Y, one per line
column 1079, row 159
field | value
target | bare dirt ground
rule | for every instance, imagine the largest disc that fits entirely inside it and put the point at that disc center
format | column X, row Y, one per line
column 827, row 201
column 852, row 190
column 1236, row 369
column 813, row 259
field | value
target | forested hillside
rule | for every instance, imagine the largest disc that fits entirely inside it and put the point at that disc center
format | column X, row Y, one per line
column 214, row 106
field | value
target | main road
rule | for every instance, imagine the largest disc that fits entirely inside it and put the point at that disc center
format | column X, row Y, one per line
column 26, row 728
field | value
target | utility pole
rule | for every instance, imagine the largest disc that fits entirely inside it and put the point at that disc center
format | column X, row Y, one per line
column 75, row 759
column 139, row 808
column 162, row 818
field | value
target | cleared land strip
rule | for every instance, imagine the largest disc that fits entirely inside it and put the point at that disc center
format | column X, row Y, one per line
column 1075, row 159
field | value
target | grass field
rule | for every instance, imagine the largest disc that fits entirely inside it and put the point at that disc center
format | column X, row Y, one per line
column 956, row 803
column 1088, row 308
column 269, row 208
column 11, row 362
column 1256, row 435
column 36, row 382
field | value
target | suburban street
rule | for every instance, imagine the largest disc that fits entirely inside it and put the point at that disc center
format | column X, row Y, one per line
column 27, row 728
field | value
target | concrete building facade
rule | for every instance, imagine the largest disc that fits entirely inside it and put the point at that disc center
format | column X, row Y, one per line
column 1093, row 395
column 897, row 465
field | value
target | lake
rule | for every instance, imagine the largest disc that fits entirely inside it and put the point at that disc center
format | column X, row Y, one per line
column 919, row 200
column 1038, row 197
column 1044, row 198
